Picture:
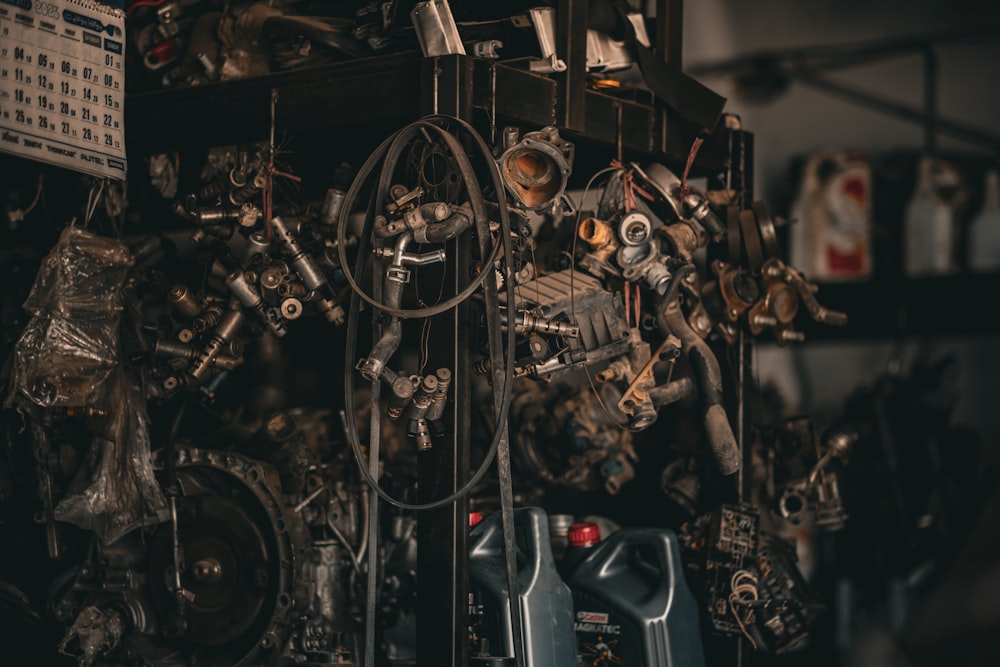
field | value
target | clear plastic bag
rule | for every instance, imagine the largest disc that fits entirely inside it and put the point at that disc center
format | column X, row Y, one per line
column 123, row 493
column 70, row 345
column 68, row 356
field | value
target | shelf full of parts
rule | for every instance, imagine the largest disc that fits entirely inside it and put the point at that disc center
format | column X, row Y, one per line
column 311, row 350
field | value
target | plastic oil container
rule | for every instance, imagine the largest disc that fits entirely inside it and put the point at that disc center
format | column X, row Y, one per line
column 632, row 603
column 546, row 600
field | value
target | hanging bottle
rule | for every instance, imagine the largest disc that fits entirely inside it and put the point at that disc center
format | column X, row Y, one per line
column 929, row 232
column 984, row 230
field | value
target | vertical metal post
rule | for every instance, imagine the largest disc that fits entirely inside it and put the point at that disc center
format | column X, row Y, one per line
column 669, row 31
column 443, row 534
column 668, row 44
column 571, row 46
column 375, row 430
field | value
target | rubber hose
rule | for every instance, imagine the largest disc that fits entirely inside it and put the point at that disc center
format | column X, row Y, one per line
column 709, row 381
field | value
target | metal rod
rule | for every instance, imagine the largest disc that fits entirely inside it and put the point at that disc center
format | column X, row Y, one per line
column 903, row 111
column 371, row 597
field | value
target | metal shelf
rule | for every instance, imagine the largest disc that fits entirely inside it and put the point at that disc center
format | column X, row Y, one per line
column 341, row 95
column 399, row 88
column 950, row 305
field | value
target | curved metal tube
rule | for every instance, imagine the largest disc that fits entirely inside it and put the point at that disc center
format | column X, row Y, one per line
column 392, row 333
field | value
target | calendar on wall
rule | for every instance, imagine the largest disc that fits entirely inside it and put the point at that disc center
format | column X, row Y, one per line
column 62, row 84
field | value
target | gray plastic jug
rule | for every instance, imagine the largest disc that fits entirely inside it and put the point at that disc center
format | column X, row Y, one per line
column 633, row 606
column 546, row 600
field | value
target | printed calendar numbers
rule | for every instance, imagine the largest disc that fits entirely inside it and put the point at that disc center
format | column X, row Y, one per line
column 62, row 84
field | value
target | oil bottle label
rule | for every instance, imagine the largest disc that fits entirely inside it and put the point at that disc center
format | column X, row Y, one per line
column 592, row 621
column 599, row 638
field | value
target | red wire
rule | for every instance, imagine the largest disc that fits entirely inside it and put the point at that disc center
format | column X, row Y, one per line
column 143, row 3
column 695, row 145
column 265, row 201
column 637, row 303
column 628, row 299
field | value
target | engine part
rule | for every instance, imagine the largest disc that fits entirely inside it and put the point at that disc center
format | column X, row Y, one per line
column 309, row 271
column 223, row 334
column 636, row 401
column 815, row 494
column 686, row 204
column 722, row 548
column 97, row 632
column 536, row 169
column 709, row 381
column 604, row 246
column 436, row 31
column 682, row 483
column 544, row 21
column 644, row 262
column 440, row 398
column 240, row 286
column 402, row 393
column 564, row 438
column 241, row 565
column 603, row 332
column 173, row 350
column 185, row 302
column 785, row 287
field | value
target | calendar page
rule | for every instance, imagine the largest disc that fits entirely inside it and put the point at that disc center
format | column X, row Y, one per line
column 62, row 84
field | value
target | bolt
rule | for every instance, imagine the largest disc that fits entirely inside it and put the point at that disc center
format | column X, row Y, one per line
column 762, row 320
column 789, row 336
column 207, row 570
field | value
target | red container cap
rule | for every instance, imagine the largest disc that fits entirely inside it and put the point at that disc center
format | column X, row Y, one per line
column 475, row 518
column 584, row 534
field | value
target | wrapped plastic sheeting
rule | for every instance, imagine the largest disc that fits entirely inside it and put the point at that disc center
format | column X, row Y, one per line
column 70, row 345
column 123, row 493
column 68, row 357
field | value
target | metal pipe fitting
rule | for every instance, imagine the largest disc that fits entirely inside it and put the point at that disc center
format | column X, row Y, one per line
column 224, row 332
column 436, row 410
column 399, row 399
column 184, row 301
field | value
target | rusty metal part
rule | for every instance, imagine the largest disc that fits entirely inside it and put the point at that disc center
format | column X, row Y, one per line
column 737, row 288
column 525, row 323
column 229, row 325
column 400, row 397
column 602, row 240
column 766, row 226
column 423, row 397
column 784, row 289
column 709, row 381
column 167, row 348
column 733, row 240
column 239, row 282
column 185, row 302
column 684, row 238
column 440, row 398
column 243, row 550
column 291, row 308
column 751, row 239
column 208, row 318
column 635, row 401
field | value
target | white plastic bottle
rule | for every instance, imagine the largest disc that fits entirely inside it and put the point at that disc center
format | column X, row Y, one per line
column 984, row 230
column 929, row 232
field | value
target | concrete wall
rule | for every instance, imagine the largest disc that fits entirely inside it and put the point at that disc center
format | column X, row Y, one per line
column 816, row 376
